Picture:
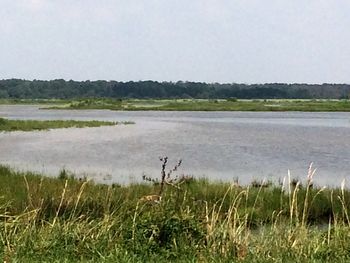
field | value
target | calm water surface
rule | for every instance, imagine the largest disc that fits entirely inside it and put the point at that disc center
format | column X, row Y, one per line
column 218, row 145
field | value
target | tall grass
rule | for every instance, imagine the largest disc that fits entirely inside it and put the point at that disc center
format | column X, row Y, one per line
column 67, row 220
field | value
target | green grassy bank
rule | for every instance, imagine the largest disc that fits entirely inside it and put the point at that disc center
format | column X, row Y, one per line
column 31, row 125
column 209, row 105
column 64, row 219
column 187, row 104
column 32, row 101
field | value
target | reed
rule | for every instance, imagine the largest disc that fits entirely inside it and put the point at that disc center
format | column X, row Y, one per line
column 45, row 219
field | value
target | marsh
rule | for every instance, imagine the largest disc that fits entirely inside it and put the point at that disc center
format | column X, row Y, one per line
column 217, row 145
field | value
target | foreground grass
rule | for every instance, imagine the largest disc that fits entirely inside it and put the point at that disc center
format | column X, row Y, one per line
column 31, row 125
column 209, row 105
column 64, row 219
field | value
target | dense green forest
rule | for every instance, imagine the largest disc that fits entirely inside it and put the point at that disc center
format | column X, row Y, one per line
column 59, row 88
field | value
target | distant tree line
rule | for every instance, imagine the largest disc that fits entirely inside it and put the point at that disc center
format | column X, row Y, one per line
column 59, row 88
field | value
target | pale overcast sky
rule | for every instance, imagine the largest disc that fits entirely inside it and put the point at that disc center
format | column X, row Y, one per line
column 244, row 41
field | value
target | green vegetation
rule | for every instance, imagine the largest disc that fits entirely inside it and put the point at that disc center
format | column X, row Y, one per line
column 208, row 105
column 12, row 101
column 59, row 88
column 65, row 219
column 31, row 125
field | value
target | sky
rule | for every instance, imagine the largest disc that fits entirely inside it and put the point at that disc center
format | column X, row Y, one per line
column 225, row 41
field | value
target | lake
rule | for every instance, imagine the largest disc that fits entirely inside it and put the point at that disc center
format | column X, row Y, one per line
column 217, row 145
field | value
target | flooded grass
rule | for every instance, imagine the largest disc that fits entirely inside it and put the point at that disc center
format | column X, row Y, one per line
column 31, row 125
column 209, row 105
column 65, row 219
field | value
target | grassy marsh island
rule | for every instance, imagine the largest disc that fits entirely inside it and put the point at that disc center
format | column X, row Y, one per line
column 206, row 105
column 64, row 219
column 31, row 101
column 31, row 125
